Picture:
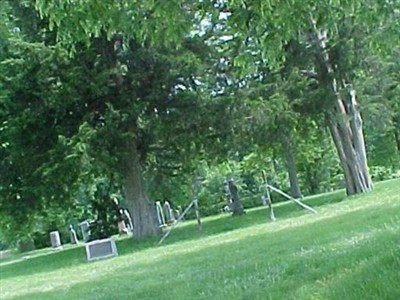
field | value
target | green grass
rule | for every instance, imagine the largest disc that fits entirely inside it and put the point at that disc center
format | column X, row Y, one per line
column 349, row 250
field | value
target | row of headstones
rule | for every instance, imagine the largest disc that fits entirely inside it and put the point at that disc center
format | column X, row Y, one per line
column 98, row 249
column 165, row 214
column 55, row 239
column 104, row 248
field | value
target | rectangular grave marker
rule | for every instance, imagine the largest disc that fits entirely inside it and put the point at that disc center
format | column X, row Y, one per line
column 101, row 249
column 85, row 230
column 55, row 240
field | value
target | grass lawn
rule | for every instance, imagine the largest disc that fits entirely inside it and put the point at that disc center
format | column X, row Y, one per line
column 350, row 249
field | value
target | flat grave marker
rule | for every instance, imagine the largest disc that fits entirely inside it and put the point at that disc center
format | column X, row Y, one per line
column 101, row 249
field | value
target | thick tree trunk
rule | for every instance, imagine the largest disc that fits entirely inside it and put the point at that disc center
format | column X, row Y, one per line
column 142, row 211
column 346, row 129
column 291, row 165
column 344, row 119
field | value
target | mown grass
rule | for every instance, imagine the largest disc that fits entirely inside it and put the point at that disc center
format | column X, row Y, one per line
column 349, row 250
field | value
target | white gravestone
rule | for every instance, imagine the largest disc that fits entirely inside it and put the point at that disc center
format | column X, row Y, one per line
column 72, row 235
column 55, row 240
column 160, row 214
column 101, row 249
column 169, row 214
column 122, row 229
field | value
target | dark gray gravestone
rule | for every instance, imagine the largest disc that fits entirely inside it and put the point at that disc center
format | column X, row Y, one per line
column 101, row 249
column 85, row 230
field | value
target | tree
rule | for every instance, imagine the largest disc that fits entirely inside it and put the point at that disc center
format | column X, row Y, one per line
column 118, row 100
column 332, row 33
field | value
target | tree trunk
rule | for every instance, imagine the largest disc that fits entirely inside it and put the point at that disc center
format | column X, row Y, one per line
column 141, row 210
column 396, row 122
column 236, row 206
column 344, row 119
column 291, row 165
column 346, row 129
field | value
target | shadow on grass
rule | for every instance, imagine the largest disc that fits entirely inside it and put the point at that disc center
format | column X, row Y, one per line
column 255, row 216
column 321, row 234
column 74, row 256
column 66, row 258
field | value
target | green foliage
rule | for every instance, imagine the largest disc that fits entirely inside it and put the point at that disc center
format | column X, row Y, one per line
column 149, row 22
column 380, row 91
column 247, row 174
column 207, row 90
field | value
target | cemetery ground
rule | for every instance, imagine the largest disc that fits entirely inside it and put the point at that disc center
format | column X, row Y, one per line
column 350, row 249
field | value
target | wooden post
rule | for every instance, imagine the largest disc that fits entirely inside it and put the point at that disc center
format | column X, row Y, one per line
column 271, row 210
column 271, row 215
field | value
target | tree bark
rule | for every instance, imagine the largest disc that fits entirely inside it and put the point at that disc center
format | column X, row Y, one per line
column 141, row 210
column 291, row 165
column 345, row 125
column 344, row 119
column 236, row 206
column 396, row 122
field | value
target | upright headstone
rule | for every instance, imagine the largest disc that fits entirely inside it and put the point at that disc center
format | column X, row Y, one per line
column 160, row 214
column 72, row 235
column 55, row 240
column 5, row 253
column 122, row 229
column 178, row 212
column 101, row 249
column 169, row 214
column 85, row 231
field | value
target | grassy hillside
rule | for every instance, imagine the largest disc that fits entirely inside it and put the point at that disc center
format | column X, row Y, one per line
column 349, row 250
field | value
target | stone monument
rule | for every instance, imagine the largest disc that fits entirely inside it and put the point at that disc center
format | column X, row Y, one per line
column 101, row 249
column 72, row 235
column 85, row 231
column 55, row 240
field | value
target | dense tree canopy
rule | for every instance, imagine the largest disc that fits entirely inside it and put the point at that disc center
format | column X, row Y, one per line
column 154, row 96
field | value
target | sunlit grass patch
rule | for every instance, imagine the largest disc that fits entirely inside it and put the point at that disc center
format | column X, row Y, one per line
column 348, row 250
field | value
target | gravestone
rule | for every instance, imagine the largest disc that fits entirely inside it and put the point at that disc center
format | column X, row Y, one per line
column 178, row 212
column 55, row 240
column 5, row 253
column 169, row 214
column 85, row 231
column 72, row 235
column 122, row 229
column 101, row 249
column 160, row 214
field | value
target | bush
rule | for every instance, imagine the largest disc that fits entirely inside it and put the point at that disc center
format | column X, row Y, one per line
column 379, row 173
